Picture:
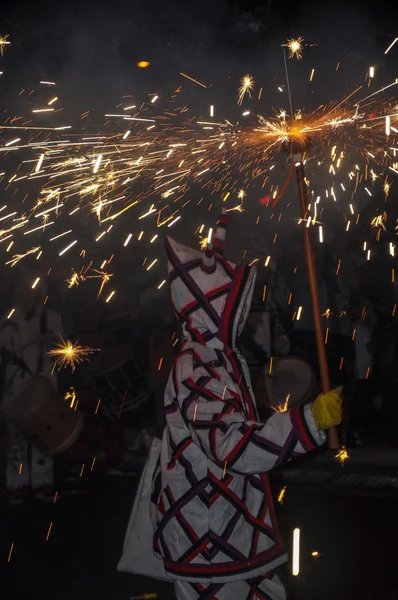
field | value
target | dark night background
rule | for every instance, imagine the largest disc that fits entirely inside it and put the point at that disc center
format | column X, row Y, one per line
column 91, row 50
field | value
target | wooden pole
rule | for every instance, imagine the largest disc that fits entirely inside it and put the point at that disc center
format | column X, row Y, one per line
column 333, row 439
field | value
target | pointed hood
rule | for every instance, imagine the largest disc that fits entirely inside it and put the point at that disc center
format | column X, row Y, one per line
column 211, row 296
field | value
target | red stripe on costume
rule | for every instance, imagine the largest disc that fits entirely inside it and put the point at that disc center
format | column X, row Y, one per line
column 229, row 568
column 161, row 507
column 178, row 453
column 237, row 501
column 230, row 303
column 216, row 496
column 271, row 506
column 252, row 595
column 180, row 517
column 261, row 595
column 208, row 295
column 247, row 399
column 257, row 532
column 239, row 445
column 199, row 389
column 198, row 550
column 297, row 421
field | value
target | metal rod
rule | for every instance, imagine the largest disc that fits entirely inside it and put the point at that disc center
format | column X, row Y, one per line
column 288, row 83
column 313, row 285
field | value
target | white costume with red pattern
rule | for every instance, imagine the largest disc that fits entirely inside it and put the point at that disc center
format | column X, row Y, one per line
column 215, row 518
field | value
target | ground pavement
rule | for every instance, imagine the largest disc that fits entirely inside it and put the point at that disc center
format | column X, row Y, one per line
column 353, row 528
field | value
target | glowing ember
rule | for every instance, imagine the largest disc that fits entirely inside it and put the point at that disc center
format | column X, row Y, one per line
column 282, row 495
column 70, row 396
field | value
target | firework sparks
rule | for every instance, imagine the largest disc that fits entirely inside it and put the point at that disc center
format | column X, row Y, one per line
column 17, row 257
column 3, row 42
column 386, row 187
column 69, row 354
column 295, row 47
column 247, row 85
column 105, row 278
column 342, row 455
column 378, row 222
column 283, row 406
column 169, row 152
column 70, row 396
column 282, row 495
column 75, row 279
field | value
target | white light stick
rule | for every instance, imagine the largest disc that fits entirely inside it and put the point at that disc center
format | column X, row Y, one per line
column 296, row 552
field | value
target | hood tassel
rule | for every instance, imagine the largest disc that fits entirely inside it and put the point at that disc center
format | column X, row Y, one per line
column 208, row 263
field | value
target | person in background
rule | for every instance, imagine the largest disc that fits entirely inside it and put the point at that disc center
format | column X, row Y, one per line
column 27, row 332
column 212, row 510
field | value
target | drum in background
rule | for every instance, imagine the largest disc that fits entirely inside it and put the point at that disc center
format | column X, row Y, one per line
column 43, row 416
column 118, row 378
column 289, row 381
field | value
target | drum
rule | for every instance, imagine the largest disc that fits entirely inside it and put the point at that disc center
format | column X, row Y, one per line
column 43, row 416
column 118, row 378
column 290, row 382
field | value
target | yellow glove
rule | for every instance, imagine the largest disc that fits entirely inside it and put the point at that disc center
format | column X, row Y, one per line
column 327, row 409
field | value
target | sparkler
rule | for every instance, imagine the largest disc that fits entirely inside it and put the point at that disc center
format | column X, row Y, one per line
column 295, row 47
column 69, row 354
column 247, row 85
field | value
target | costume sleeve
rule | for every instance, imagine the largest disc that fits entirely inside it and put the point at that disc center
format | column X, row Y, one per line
column 219, row 426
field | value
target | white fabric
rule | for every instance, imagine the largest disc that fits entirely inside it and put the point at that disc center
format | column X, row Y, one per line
column 138, row 556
